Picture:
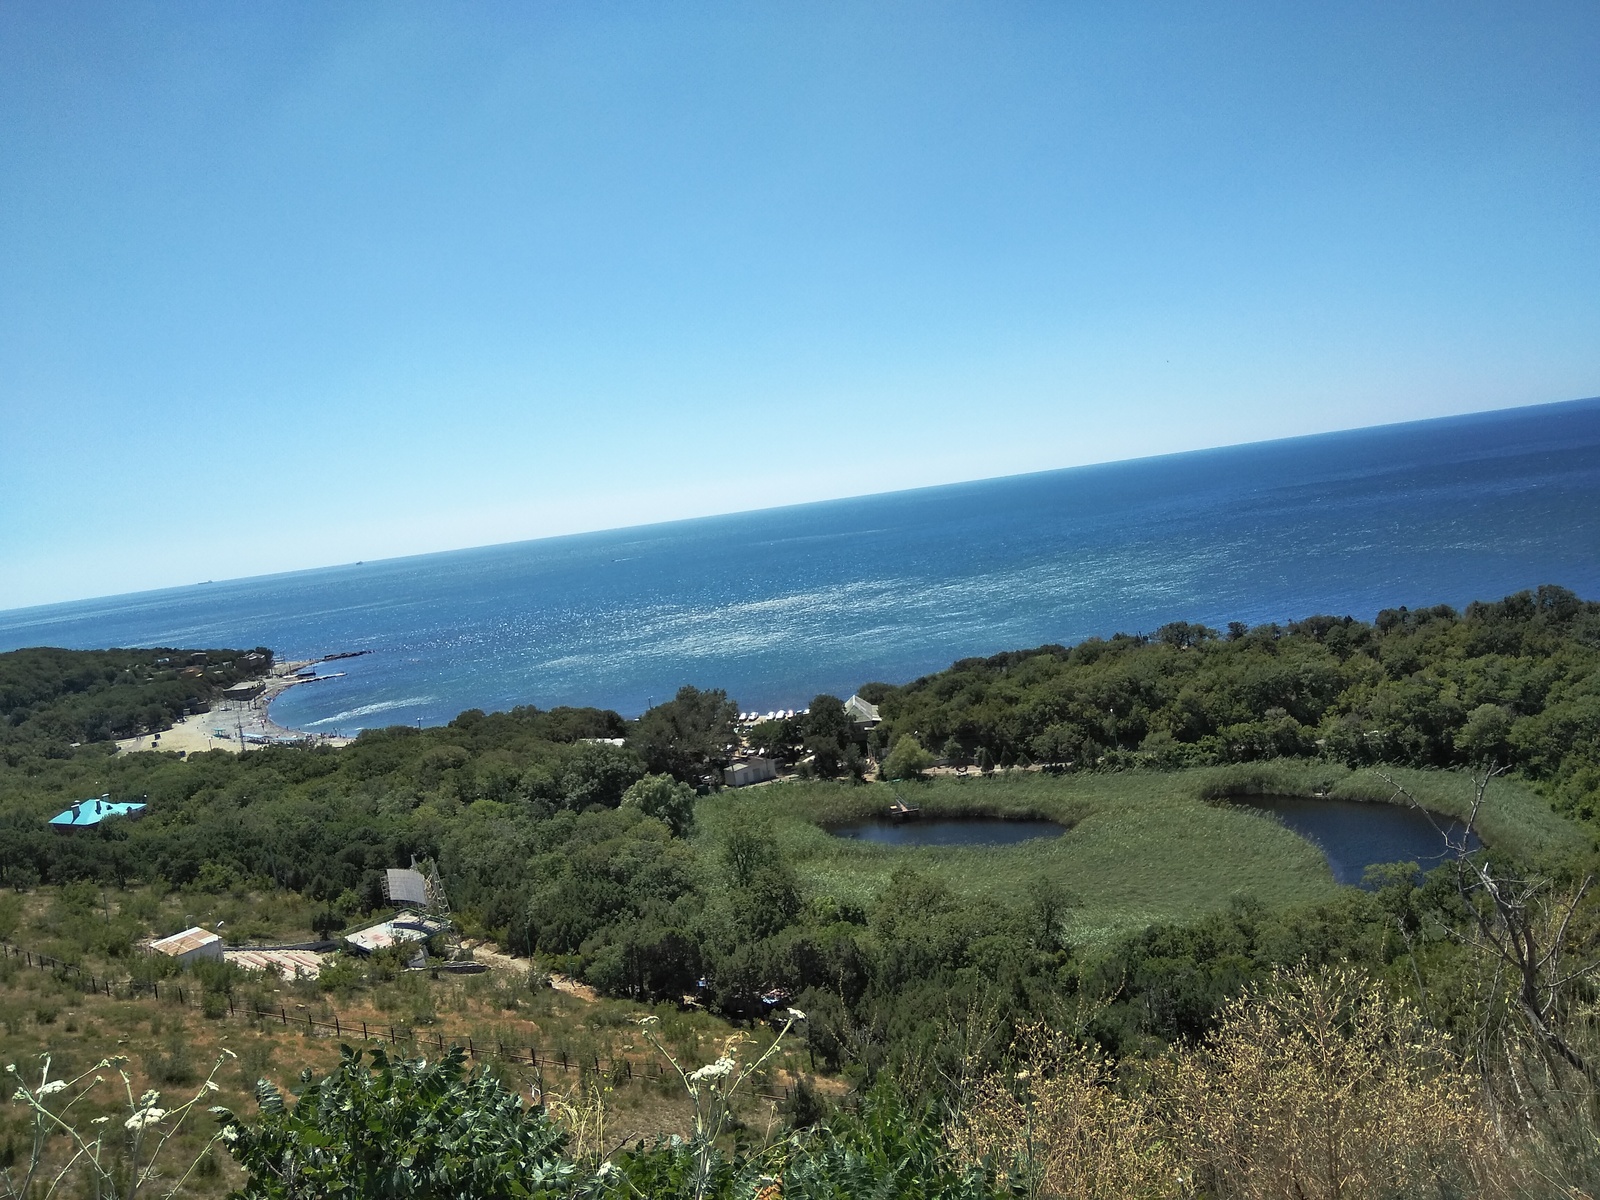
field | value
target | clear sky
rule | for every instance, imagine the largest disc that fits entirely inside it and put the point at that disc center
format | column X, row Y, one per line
column 285, row 285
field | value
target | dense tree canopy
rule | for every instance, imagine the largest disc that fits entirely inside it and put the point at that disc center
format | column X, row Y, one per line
column 688, row 735
column 1517, row 680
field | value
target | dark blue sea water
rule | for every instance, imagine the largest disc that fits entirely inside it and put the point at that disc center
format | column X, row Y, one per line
column 776, row 606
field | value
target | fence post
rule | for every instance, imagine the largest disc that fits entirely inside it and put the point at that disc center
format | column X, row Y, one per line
column 284, row 1013
column 363, row 1031
column 337, row 1032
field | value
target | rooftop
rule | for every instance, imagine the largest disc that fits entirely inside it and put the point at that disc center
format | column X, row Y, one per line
column 402, row 927
column 181, row 943
column 92, row 812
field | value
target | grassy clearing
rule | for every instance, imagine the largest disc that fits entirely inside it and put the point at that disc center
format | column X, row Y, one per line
column 1141, row 847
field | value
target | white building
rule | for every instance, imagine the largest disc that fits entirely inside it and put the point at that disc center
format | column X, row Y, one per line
column 749, row 770
column 190, row 946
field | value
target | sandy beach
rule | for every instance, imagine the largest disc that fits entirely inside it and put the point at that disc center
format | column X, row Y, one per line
column 230, row 721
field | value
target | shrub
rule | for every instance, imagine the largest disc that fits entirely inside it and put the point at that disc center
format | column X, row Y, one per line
column 1322, row 1085
column 397, row 1127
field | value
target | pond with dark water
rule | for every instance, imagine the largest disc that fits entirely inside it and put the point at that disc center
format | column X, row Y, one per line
column 947, row 831
column 1354, row 836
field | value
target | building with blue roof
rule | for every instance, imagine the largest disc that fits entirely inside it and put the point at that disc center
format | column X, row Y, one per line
column 91, row 812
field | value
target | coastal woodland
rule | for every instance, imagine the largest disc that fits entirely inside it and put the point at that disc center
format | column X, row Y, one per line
column 1172, row 999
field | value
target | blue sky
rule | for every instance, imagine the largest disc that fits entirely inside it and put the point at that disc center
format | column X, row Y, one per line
column 284, row 285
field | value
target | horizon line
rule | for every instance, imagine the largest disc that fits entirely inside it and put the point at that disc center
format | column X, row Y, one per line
column 740, row 512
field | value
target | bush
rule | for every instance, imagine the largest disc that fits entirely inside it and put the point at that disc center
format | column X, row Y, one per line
column 907, row 760
column 384, row 1127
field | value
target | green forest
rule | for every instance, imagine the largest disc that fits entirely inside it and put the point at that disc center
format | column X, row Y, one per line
column 1088, row 1018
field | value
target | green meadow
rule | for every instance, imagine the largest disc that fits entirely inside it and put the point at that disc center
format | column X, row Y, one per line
column 1140, row 846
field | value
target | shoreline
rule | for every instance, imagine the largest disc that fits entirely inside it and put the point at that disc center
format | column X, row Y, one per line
column 198, row 733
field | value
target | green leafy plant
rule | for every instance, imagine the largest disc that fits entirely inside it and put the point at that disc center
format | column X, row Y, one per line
column 378, row 1128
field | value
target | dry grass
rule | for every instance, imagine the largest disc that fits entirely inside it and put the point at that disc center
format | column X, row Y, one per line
column 170, row 1047
column 1319, row 1085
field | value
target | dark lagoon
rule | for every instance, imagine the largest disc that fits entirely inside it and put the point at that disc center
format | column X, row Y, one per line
column 1354, row 836
column 947, row 831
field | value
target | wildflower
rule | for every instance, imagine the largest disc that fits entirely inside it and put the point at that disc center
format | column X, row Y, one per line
column 51, row 1088
column 230, row 1134
column 648, row 1020
column 606, row 1169
column 211, row 1086
column 99, row 1120
column 711, row 1072
column 145, row 1116
column 796, row 1015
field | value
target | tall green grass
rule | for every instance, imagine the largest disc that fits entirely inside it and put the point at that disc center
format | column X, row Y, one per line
column 1141, row 847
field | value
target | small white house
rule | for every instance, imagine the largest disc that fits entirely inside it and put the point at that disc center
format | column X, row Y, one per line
column 190, row 946
column 749, row 770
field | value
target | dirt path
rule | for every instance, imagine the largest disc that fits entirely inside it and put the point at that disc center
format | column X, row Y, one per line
column 496, row 959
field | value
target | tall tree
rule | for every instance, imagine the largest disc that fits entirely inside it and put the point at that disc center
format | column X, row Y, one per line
column 687, row 735
column 829, row 733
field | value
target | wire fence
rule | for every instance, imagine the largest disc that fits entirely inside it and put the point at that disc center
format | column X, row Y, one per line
column 615, row 1070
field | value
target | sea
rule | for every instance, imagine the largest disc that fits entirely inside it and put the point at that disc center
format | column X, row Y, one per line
column 780, row 605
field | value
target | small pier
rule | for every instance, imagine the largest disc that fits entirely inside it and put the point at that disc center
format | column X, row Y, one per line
column 901, row 811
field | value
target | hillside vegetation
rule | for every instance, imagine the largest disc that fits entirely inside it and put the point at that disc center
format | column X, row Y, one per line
column 1516, row 680
column 1158, row 966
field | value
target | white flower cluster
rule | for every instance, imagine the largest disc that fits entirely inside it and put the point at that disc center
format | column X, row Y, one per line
column 148, row 1113
column 720, row 1069
column 51, row 1088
